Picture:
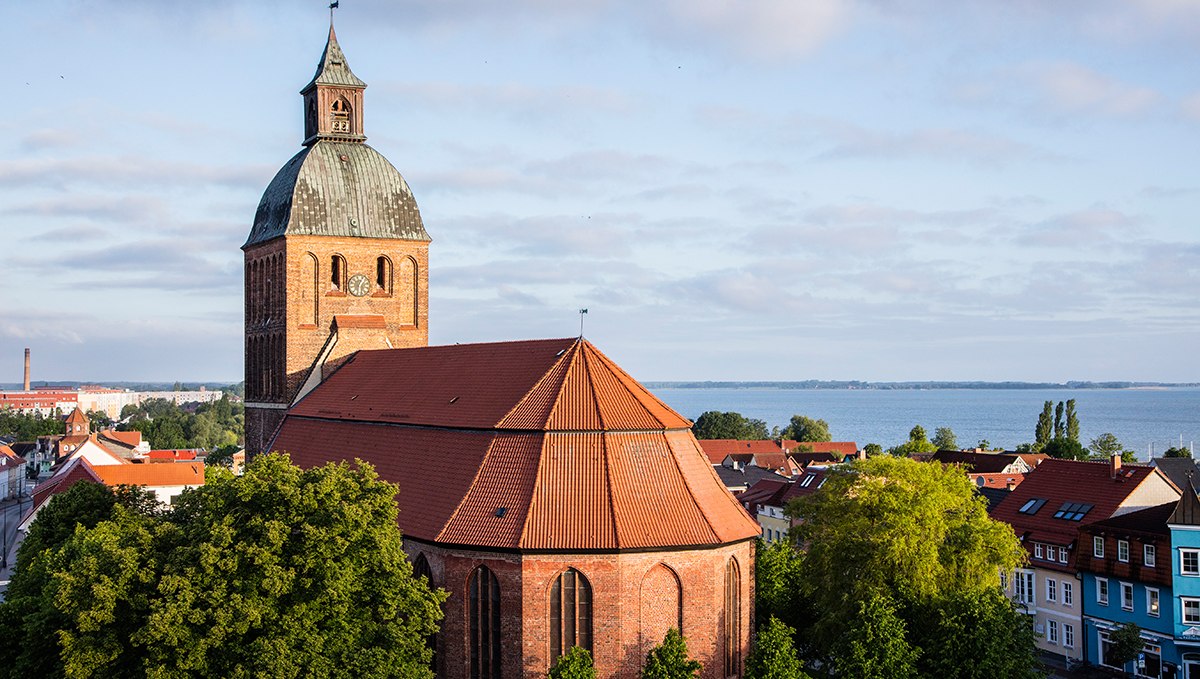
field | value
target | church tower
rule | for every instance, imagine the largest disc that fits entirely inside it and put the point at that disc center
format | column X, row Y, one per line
column 337, row 259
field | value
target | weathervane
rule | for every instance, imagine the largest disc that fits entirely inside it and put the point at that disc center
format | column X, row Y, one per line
column 332, row 6
column 582, row 313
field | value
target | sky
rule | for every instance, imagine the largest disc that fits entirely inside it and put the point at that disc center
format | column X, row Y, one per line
column 734, row 189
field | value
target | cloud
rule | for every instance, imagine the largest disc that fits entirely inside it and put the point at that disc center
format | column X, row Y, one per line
column 943, row 143
column 122, row 209
column 50, row 138
column 125, row 170
column 1080, row 229
column 763, row 29
column 70, row 234
column 1191, row 106
column 1069, row 88
column 516, row 100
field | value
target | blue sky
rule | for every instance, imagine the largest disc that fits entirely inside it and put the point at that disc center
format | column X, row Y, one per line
column 759, row 189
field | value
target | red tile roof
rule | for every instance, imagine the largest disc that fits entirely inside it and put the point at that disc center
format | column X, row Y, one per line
column 1066, row 481
column 806, row 459
column 717, row 449
column 997, row 480
column 539, row 445
column 129, row 439
column 172, row 454
column 77, row 416
column 181, row 474
column 842, row 447
column 983, row 463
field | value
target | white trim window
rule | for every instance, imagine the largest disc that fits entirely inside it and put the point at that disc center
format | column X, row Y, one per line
column 1068, row 593
column 1051, row 590
column 1191, row 610
column 1148, row 556
column 1098, row 547
column 1003, row 581
column 1023, row 590
column 1189, row 562
column 1123, row 551
column 1152, row 602
column 1052, row 631
column 1068, row 634
column 1037, row 550
column 1062, row 554
column 1126, row 596
column 1102, row 591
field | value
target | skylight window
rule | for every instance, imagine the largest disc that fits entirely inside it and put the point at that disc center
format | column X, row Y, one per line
column 1073, row 511
column 1032, row 506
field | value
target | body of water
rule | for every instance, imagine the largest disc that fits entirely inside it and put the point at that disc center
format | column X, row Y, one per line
column 1140, row 418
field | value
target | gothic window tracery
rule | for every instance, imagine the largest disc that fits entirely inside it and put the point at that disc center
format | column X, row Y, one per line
column 570, row 613
column 484, row 614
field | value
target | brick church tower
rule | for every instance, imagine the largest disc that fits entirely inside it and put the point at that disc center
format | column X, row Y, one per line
column 337, row 259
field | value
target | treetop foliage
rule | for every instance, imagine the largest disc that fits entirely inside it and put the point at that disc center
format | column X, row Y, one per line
column 803, row 428
column 944, row 439
column 28, row 427
column 670, row 660
column 917, row 443
column 774, row 653
column 1177, row 452
column 718, row 425
column 167, row 426
column 574, row 664
column 281, row 572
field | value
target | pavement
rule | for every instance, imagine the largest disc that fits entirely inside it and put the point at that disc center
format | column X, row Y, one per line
column 11, row 511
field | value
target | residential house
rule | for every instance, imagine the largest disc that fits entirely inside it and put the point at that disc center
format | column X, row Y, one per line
column 12, row 473
column 1184, row 559
column 1046, row 511
column 1181, row 470
column 768, row 500
column 735, row 480
column 716, row 450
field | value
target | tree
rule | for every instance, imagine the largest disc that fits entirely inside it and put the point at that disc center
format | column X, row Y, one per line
column 1106, row 445
column 1045, row 424
column 1058, row 421
column 774, row 654
column 984, row 444
column 574, row 664
column 1177, row 452
column 802, row 428
column 873, row 450
column 944, row 439
column 1072, row 421
column 1065, row 449
column 669, row 660
column 777, row 582
column 975, row 634
column 718, row 425
column 911, row 531
column 1125, row 643
column 280, row 572
column 917, row 443
column 875, row 646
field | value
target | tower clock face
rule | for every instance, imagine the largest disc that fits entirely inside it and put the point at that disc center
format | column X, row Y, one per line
column 358, row 285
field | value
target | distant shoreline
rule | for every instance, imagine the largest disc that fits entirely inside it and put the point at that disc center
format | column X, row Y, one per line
column 852, row 385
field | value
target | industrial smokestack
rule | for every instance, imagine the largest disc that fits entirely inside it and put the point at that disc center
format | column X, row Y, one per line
column 26, row 368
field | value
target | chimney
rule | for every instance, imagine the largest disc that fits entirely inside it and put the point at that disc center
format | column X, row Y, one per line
column 1114, row 466
column 26, row 368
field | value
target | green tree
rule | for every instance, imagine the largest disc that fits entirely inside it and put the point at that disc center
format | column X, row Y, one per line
column 985, row 444
column 774, row 653
column 777, row 583
column 875, row 646
column 1106, row 445
column 1065, row 449
column 1059, row 431
column 670, row 660
column 1177, row 452
column 280, row 572
column 908, row 530
column 976, row 634
column 803, row 428
column 917, row 443
column 1125, row 643
column 944, row 439
column 1072, row 421
column 574, row 664
column 1045, row 424
column 718, row 425
column 873, row 449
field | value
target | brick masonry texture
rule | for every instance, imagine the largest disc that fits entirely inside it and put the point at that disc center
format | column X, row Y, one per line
column 635, row 599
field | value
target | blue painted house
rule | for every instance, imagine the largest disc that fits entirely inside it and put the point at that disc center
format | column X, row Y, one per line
column 1144, row 567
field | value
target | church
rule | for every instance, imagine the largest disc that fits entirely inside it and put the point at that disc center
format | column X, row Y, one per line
column 557, row 500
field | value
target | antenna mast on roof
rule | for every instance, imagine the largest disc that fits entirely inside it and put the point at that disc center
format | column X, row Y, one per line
column 582, row 313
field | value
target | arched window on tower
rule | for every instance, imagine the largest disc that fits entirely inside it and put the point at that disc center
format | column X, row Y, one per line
column 731, row 627
column 383, row 275
column 570, row 613
column 339, row 116
column 337, row 273
column 484, row 613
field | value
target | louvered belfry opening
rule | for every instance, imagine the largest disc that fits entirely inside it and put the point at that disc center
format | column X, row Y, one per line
column 570, row 613
column 732, row 618
column 484, row 594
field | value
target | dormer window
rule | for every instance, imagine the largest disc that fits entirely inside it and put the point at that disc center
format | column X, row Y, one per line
column 340, row 116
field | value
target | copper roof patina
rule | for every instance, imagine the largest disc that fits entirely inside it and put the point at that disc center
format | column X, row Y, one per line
column 334, row 69
column 337, row 188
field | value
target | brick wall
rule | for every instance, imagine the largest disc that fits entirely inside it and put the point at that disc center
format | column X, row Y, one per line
column 634, row 600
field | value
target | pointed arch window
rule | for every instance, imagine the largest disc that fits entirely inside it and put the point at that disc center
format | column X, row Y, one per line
column 421, row 569
column 484, row 614
column 731, row 626
column 383, row 274
column 570, row 613
column 339, row 116
column 337, row 272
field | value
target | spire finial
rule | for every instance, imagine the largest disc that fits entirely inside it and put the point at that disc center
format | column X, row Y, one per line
column 582, row 314
column 332, row 6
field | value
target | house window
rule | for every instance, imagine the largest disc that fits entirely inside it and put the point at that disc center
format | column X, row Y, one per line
column 1102, row 591
column 1098, row 547
column 1126, row 596
column 1148, row 556
column 1037, row 550
column 1152, row 602
column 732, row 620
column 570, row 613
column 1123, row 551
column 1062, row 554
column 1068, row 593
column 1068, row 635
column 1051, row 589
column 484, row 612
column 1191, row 611
column 1189, row 561
column 1003, row 581
column 1052, row 631
column 1023, row 588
